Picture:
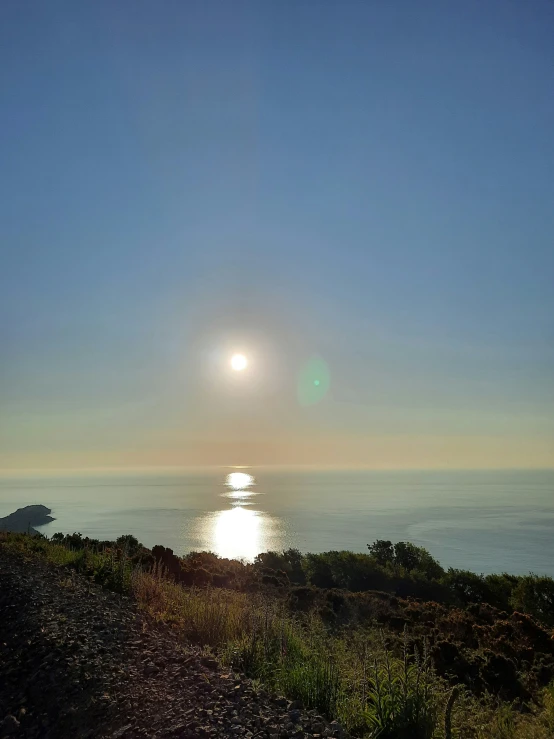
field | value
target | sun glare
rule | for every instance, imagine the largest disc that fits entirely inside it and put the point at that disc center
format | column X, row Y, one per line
column 238, row 533
column 238, row 362
column 239, row 480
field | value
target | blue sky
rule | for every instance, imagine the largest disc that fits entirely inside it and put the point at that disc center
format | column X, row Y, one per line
column 368, row 182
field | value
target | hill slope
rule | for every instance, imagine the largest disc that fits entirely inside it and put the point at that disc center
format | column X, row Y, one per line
column 79, row 661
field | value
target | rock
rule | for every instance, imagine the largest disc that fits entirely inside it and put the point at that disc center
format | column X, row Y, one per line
column 121, row 732
column 208, row 661
column 25, row 518
column 176, row 728
column 9, row 726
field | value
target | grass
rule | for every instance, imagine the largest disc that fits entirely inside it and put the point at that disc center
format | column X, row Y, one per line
column 249, row 633
column 380, row 695
column 374, row 688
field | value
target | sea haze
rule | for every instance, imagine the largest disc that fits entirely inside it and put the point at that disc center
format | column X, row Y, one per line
column 486, row 521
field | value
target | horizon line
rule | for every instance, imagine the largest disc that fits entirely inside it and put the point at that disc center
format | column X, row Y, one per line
column 5, row 471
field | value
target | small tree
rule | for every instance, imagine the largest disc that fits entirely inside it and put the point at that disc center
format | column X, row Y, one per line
column 129, row 544
column 407, row 556
column 467, row 586
column 535, row 595
column 383, row 551
column 295, row 561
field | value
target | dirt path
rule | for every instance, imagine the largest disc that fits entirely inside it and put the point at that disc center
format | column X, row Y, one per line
column 77, row 661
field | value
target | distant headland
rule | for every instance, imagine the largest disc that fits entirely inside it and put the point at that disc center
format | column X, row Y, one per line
column 25, row 518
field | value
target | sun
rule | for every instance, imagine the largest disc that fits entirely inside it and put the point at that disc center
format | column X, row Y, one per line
column 239, row 362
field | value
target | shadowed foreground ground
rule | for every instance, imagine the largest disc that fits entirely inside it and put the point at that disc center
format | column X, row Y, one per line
column 78, row 661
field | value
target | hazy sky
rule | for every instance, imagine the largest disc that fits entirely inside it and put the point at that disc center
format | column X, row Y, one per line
column 367, row 182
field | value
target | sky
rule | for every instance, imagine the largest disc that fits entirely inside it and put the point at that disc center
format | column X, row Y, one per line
column 358, row 191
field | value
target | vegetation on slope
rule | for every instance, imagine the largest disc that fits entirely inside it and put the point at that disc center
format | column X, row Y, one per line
column 343, row 632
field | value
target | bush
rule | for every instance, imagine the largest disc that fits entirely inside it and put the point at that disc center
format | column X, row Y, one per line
column 535, row 595
column 467, row 587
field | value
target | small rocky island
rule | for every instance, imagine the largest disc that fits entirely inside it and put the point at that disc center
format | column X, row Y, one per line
column 25, row 518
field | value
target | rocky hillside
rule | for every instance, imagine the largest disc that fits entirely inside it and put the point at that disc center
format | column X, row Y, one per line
column 78, row 661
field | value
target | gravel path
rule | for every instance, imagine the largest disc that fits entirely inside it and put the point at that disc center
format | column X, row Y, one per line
column 77, row 661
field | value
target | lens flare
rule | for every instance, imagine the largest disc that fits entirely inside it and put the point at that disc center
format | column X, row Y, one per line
column 313, row 383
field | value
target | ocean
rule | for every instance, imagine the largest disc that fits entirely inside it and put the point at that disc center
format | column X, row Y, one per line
column 485, row 521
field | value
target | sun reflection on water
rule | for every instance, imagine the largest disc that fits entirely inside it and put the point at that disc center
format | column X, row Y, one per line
column 239, row 532
column 239, row 480
column 239, row 484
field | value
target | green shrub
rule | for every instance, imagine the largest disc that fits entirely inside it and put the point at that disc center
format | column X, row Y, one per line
column 535, row 595
column 401, row 697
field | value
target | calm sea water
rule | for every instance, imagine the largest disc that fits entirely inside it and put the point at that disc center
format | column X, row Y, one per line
column 484, row 521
